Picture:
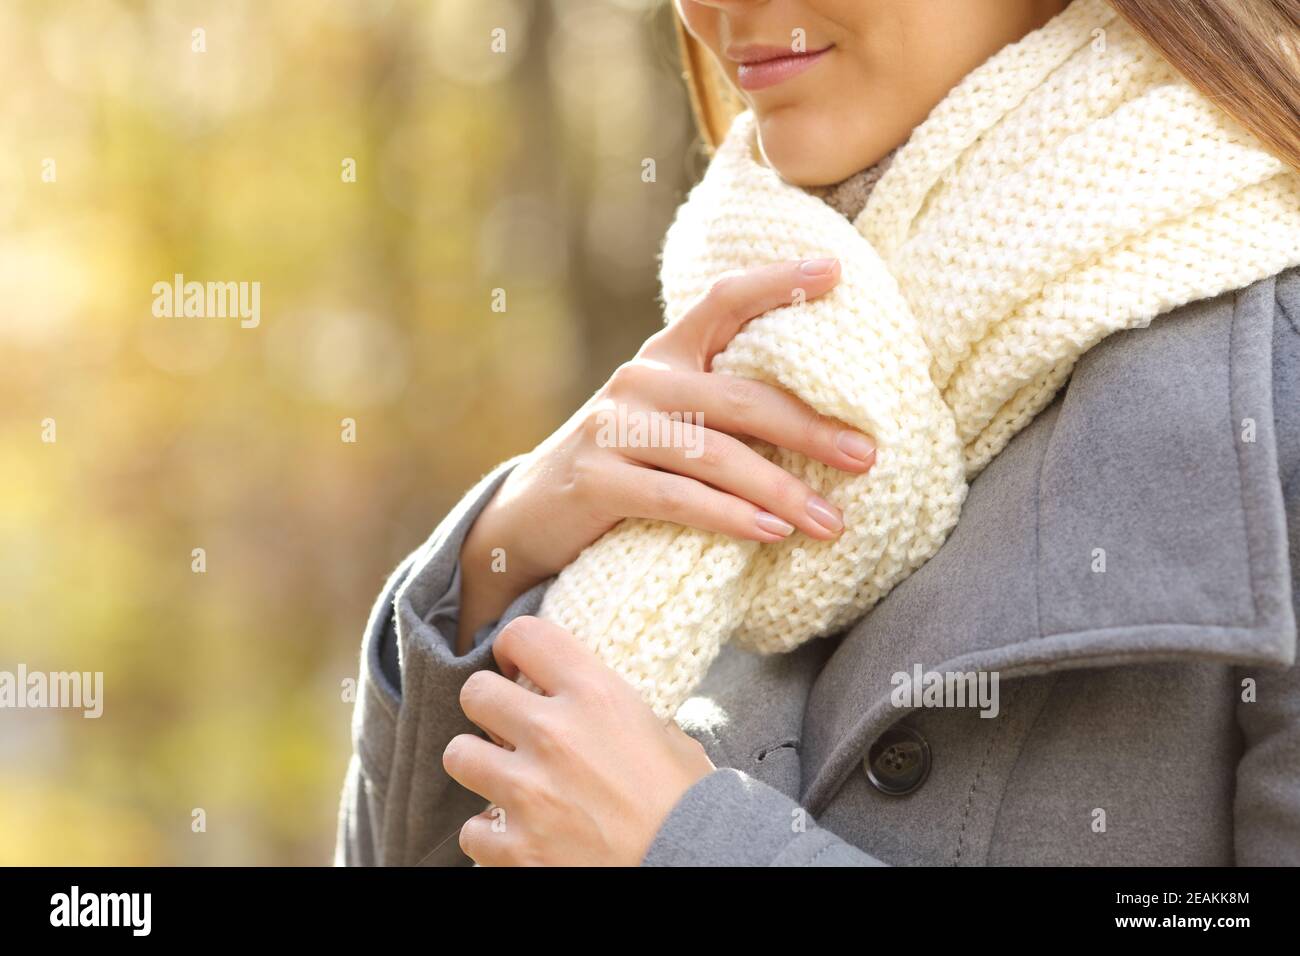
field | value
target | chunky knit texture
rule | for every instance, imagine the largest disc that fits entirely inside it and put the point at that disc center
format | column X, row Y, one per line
column 1072, row 186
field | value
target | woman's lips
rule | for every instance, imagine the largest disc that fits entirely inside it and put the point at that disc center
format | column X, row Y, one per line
column 757, row 72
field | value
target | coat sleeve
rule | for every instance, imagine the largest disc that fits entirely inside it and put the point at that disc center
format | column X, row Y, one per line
column 1267, row 805
column 398, row 805
column 731, row 819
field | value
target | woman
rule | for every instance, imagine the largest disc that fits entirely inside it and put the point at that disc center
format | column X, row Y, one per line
column 1118, row 596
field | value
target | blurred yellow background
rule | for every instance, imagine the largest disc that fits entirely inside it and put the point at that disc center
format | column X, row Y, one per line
column 139, row 140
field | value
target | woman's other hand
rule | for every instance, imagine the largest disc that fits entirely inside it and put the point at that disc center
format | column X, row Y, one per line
column 583, row 776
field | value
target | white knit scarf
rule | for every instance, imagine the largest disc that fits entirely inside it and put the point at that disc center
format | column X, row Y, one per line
column 1072, row 186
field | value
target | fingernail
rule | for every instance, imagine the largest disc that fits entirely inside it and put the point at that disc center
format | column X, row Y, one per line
column 854, row 444
column 824, row 514
column 770, row 523
column 816, row 267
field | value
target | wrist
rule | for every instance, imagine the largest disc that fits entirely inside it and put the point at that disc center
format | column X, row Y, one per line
column 493, row 559
column 492, row 575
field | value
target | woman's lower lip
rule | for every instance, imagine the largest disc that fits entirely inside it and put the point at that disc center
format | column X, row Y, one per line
column 758, row 76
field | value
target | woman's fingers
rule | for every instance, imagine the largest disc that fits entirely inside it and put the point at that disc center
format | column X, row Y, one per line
column 736, row 298
column 731, row 466
column 670, row 374
column 742, row 406
column 546, row 654
column 635, row 491
column 478, row 765
column 484, row 838
column 500, row 706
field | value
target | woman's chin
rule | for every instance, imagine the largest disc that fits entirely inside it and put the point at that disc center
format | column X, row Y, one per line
column 812, row 151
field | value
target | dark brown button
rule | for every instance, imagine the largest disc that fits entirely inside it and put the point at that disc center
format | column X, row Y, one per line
column 898, row 762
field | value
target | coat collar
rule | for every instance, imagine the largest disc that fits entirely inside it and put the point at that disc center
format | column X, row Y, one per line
column 1159, row 460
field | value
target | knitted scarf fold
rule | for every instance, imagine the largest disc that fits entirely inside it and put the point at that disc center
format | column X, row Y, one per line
column 1071, row 187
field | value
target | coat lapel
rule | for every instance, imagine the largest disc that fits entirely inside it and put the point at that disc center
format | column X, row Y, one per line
column 1138, row 519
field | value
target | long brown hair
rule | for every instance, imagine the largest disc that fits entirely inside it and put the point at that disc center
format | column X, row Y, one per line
column 1243, row 55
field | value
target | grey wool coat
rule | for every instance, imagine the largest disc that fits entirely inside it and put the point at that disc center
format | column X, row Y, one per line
column 1126, row 568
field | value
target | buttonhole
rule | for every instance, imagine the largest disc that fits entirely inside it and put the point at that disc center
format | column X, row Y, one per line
column 783, row 745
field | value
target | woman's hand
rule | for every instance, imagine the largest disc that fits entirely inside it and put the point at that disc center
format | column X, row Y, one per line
column 584, row 776
column 579, row 483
